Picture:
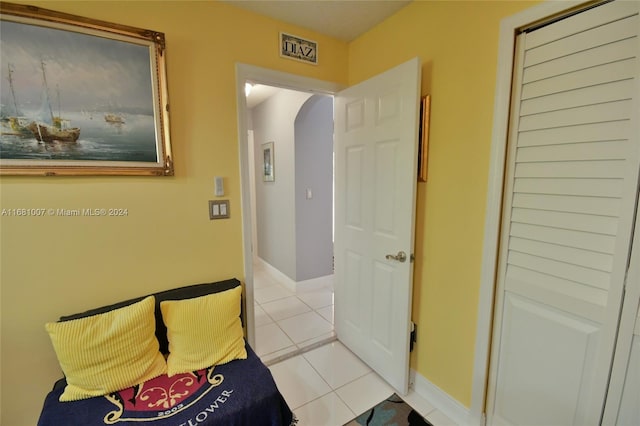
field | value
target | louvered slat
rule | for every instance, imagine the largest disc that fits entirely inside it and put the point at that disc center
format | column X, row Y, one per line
column 594, row 37
column 600, row 74
column 522, row 279
column 565, row 237
column 612, row 52
column 602, row 15
column 612, row 130
column 569, row 186
column 612, row 150
column 576, row 204
column 605, row 225
column 567, row 271
column 587, row 169
column 570, row 255
column 601, row 93
column 609, row 111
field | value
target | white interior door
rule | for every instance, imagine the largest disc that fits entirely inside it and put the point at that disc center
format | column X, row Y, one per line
column 572, row 182
column 376, row 129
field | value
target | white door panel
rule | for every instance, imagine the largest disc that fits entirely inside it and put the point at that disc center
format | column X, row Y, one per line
column 376, row 128
column 543, row 346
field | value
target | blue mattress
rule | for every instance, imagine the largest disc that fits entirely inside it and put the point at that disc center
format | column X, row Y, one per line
column 239, row 393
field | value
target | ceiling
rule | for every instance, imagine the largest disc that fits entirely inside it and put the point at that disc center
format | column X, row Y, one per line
column 260, row 93
column 341, row 19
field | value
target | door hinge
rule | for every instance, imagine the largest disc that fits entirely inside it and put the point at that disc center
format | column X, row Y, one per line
column 412, row 336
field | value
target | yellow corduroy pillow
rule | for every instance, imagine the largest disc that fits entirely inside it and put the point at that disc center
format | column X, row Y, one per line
column 108, row 352
column 203, row 331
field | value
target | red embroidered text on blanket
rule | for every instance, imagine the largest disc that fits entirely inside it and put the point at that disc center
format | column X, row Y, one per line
column 164, row 396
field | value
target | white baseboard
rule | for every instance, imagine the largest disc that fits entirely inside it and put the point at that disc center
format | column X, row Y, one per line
column 442, row 401
column 291, row 284
column 316, row 282
column 276, row 274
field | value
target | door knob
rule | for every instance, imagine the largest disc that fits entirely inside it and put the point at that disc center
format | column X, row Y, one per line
column 400, row 257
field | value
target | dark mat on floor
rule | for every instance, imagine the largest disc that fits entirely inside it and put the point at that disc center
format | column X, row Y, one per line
column 391, row 411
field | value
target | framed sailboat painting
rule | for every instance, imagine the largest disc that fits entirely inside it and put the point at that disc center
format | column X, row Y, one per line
column 80, row 96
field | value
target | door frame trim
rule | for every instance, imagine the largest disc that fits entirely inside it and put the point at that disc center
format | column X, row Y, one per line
column 490, row 245
column 254, row 74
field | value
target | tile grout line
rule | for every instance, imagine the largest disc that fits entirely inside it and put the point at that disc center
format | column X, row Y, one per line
column 299, row 347
column 335, row 390
column 277, row 322
column 332, row 390
column 322, row 396
column 266, row 312
column 299, row 351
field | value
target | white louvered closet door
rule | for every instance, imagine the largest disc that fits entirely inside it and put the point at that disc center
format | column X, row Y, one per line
column 572, row 185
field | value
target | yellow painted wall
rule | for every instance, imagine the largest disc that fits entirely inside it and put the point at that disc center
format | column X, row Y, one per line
column 52, row 266
column 457, row 42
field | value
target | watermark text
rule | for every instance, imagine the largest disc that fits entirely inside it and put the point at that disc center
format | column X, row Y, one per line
column 64, row 212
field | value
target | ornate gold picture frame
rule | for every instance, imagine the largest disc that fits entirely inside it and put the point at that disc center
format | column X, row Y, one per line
column 81, row 96
column 423, row 150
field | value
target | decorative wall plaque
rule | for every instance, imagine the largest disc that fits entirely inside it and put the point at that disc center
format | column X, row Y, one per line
column 294, row 47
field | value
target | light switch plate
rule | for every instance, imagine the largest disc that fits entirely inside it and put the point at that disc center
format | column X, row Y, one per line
column 218, row 209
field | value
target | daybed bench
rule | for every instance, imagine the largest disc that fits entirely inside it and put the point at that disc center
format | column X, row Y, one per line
column 210, row 377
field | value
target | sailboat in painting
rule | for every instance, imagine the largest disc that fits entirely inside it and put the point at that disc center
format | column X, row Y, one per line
column 113, row 118
column 57, row 128
column 14, row 124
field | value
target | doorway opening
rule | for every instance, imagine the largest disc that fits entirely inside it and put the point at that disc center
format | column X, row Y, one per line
column 290, row 159
column 375, row 184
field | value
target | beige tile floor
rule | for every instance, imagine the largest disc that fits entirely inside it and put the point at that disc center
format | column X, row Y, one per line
column 289, row 321
column 323, row 382
column 330, row 386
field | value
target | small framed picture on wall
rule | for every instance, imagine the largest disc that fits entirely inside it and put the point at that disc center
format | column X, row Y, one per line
column 268, row 166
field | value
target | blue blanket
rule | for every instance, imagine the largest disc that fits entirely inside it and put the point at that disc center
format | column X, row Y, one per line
column 239, row 393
